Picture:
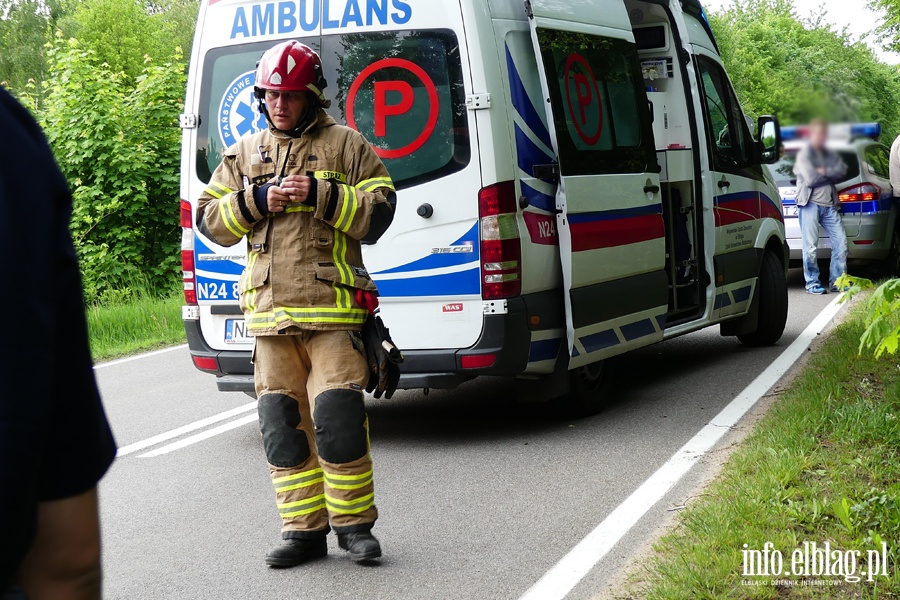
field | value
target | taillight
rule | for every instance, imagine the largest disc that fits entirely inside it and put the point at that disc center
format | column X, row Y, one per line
column 206, row 363
column 860, row 193
column 477, row 361
column 501, row 249
column 188, row 273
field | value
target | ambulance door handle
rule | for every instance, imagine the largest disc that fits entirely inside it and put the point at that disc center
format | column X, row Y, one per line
column 724, row 183
column 651, row 189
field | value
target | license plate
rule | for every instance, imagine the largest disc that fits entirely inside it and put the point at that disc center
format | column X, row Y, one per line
column 236, row 332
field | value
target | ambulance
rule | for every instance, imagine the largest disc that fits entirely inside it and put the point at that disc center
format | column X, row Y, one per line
column 575, row 179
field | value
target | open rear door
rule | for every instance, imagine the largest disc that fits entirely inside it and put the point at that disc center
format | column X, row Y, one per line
column 611, row 228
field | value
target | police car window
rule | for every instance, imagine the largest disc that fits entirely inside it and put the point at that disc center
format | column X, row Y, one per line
column 878, row 159
column 403, row 90
column 228, row 110
column 600, row 109
column 727, row 131
column 783, row 170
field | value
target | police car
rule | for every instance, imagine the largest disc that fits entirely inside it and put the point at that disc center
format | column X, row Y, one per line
column 575, row 180
column 867, row 198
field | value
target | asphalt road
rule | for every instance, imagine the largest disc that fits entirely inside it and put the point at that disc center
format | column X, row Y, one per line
column 478, row 496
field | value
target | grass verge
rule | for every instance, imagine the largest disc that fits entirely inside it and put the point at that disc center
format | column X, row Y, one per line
column 140, row 321
column 822, row 466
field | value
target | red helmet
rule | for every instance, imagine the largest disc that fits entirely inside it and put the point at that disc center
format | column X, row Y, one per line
column 290, row 67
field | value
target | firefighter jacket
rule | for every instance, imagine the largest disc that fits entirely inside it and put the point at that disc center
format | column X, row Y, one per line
column 305, row 264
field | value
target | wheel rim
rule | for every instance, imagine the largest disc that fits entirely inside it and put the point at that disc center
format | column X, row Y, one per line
column 591, row 376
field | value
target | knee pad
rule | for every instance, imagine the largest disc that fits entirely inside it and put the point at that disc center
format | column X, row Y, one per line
column 340, row 418
column 279, row 416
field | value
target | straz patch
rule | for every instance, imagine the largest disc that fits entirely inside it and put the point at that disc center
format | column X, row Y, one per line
column 238, row 111
column 263, row 179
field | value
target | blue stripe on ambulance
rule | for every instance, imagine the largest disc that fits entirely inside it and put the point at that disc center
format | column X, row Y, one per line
column 542, row 350
column 440, row 261
column 737, row 296
column 538, row 199
column 523, row 105
column 223, row 267
column 459, row 283
column 528, row 152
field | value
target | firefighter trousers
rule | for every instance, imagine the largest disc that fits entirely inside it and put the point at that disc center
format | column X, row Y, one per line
column 315, row 431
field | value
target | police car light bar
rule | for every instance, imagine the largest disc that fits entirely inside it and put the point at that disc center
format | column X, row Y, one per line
column 838, row 131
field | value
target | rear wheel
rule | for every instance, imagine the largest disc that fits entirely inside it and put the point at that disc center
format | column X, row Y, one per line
column 773, row 304
column 892, row 262
column 588, row 387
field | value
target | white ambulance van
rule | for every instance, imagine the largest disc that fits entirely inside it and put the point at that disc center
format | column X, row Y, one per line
column 575, row 179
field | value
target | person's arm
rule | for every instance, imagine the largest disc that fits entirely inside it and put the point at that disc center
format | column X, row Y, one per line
column 55, row 441
column 226, row 212
column 64, row 560
column 363, row 206
column 836, row 171
column 806, row 172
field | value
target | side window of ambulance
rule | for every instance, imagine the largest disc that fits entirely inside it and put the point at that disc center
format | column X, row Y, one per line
column 600, row 109
column 726, row 127
column 403, row 90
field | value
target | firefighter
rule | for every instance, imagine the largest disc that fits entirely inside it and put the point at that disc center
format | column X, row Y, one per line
column 304, row 194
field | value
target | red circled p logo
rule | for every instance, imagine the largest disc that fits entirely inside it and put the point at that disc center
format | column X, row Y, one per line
column 383, row 110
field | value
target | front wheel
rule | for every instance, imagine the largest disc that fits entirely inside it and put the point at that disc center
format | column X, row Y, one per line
column 773, row 304
column 892, row 262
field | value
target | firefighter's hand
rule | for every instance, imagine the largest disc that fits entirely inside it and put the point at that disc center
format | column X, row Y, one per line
column 296, row 187
column 276, row 199
column 293, row 188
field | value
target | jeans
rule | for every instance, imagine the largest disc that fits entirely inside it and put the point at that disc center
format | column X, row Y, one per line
column 811, row 216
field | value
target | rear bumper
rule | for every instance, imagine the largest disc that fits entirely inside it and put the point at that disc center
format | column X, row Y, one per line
column 234, row 372
column 873, row 233
column 504, row 336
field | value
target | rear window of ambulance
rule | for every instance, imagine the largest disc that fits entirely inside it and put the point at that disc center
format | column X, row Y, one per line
column 403, row 90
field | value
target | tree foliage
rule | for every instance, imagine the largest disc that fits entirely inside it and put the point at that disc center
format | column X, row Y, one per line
column 882, row 309
column 800, row 69
column 890, row 26
column 118, row 146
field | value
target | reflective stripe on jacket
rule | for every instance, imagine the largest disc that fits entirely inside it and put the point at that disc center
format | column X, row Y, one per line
column 303, row 265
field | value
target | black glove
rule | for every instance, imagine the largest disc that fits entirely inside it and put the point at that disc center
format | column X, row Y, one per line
column 383, row 356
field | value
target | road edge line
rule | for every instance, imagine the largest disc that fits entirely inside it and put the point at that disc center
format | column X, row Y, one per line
column 568, row 572
column 179, row 431
column 129, row 359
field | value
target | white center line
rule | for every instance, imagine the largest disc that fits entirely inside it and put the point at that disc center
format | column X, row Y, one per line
column 572, row 568
column 174, row 433
column 203, row 435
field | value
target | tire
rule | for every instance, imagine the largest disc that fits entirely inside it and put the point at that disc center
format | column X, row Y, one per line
column 891, row 265
column 773, row 304
column 588, row 386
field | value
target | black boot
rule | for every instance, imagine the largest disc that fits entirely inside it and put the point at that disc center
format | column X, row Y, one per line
column 361, row 545
column 291, row 553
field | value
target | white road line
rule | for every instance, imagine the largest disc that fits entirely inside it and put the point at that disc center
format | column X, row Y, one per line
column 174, row 433
column 204, row 435
column 572, row 568
column 113, row 363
